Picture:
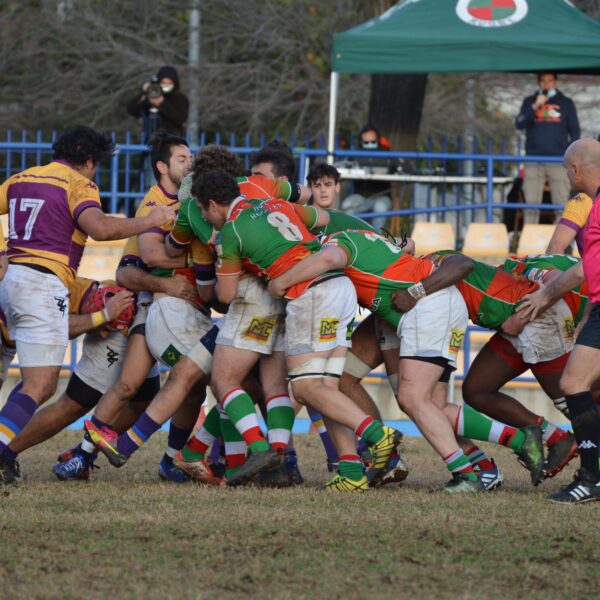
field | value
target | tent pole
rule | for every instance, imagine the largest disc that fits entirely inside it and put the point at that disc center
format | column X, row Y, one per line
column 333, row 95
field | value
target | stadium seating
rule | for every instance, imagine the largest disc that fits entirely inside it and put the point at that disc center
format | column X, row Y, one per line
column 534, row 239
column 429, row 237
column 486, row 240
column 98, row 267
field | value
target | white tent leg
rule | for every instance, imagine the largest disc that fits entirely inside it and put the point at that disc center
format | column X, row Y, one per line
column 333, row 96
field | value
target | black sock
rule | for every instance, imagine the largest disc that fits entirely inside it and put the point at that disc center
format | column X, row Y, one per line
column 586, row 427
column 167, row 459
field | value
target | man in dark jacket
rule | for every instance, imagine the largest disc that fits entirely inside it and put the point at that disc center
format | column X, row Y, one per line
column 550, row 122
column 161, row 104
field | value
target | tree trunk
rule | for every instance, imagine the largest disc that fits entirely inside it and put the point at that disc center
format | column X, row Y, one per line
column 395, row 108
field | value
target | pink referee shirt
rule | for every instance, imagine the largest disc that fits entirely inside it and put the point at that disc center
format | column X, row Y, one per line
column 591, row 254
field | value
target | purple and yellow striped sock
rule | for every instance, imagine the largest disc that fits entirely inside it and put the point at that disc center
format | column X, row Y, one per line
column 137, row 435
column 15, row 414
column 319, row 424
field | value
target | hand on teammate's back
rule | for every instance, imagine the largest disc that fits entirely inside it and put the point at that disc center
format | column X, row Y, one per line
column 118, row 303
column 275, row 290
column 403, row 301
column 161, row 215
column 179, row 287
column 535, row 303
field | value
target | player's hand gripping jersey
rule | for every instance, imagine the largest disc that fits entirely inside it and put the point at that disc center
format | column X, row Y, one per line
column 44, row 204
column 491, row 295
column 537, row 267
column 273, row 236
column 378, row 268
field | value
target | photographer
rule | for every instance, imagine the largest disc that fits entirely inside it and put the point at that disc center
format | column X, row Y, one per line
column 550, row 122
column 161, row 104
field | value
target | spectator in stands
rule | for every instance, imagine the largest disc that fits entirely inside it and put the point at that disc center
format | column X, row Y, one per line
column 550, row 122
column 324, row 183
column 161, row 104
column 369, row 195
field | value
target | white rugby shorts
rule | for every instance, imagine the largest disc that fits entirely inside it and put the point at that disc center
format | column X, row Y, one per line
column 321, row 319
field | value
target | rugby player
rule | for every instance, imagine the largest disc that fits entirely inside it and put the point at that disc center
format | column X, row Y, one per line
column 397, row 286
column 51, row 210
column 272, row 236
column 492, row 296
column 582, row 162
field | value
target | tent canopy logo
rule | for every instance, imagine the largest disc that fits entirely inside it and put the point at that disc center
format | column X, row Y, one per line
column 491, row 13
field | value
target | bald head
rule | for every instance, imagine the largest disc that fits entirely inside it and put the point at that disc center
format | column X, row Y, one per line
column 582, row 162
column 585, row 151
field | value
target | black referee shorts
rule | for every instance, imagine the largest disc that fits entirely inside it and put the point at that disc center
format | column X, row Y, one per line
column 590, row 333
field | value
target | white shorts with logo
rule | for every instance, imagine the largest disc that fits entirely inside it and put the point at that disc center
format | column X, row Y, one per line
column 321, row 318
column 435, row 327
column 254, row 321
column 549, row 336
column 386, row 336
column 36, row 306
column 102, row 360
column 173, row 328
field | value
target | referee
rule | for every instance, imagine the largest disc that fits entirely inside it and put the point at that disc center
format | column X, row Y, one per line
column 582, row 162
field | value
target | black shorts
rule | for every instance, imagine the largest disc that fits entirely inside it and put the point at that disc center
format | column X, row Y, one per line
column 82, row 393
column 440, row 361
column 590, row 333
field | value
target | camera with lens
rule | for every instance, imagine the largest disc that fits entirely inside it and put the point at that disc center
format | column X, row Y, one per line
column 154, row 90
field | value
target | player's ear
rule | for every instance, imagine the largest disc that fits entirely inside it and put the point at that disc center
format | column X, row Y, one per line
column 162, row 167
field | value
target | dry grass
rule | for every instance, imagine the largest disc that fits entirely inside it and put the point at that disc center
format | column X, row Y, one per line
column 125, row 535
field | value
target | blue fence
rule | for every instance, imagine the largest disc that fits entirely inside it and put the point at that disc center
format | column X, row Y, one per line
column 451, row 183
column 122, row 183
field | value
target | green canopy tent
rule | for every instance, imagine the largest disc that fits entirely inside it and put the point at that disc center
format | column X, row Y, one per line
column 429, row 36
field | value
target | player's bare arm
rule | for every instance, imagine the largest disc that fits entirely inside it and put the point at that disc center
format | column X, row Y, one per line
column 328, row 259
column 3, row 266
column 172, row 249
column 453, row 269
column 227, row 287
column 537, row 302
column 138, row 280
column 101, row 227
column 154, row 254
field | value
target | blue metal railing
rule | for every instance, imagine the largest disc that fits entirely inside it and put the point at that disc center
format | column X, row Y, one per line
column 122, row 182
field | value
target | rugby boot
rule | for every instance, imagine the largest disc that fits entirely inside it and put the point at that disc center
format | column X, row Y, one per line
column 68, row 455
column 197, row 470
column 396, row 470
column 277, row 477
column 560, row 454
column 339, row 483
column 290, row 462
column 583, row 488
column 10, row 472
column 105, row 440
column 255, row 463
column 381, row 452
column 169, row 471
column 77, row 466
column 492, row 478
column 461, row 484
column 531, row 455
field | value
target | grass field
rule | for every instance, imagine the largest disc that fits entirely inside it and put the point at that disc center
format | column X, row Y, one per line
column 126, row 535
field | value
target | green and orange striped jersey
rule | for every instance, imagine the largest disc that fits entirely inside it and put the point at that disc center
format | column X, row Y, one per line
column 272, row 235
column 190, row 222
column 378, row 268
column 537, row 267
column 491, row 294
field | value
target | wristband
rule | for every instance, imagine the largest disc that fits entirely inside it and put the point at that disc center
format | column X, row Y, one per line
column 417, row 291
column 99, row 318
